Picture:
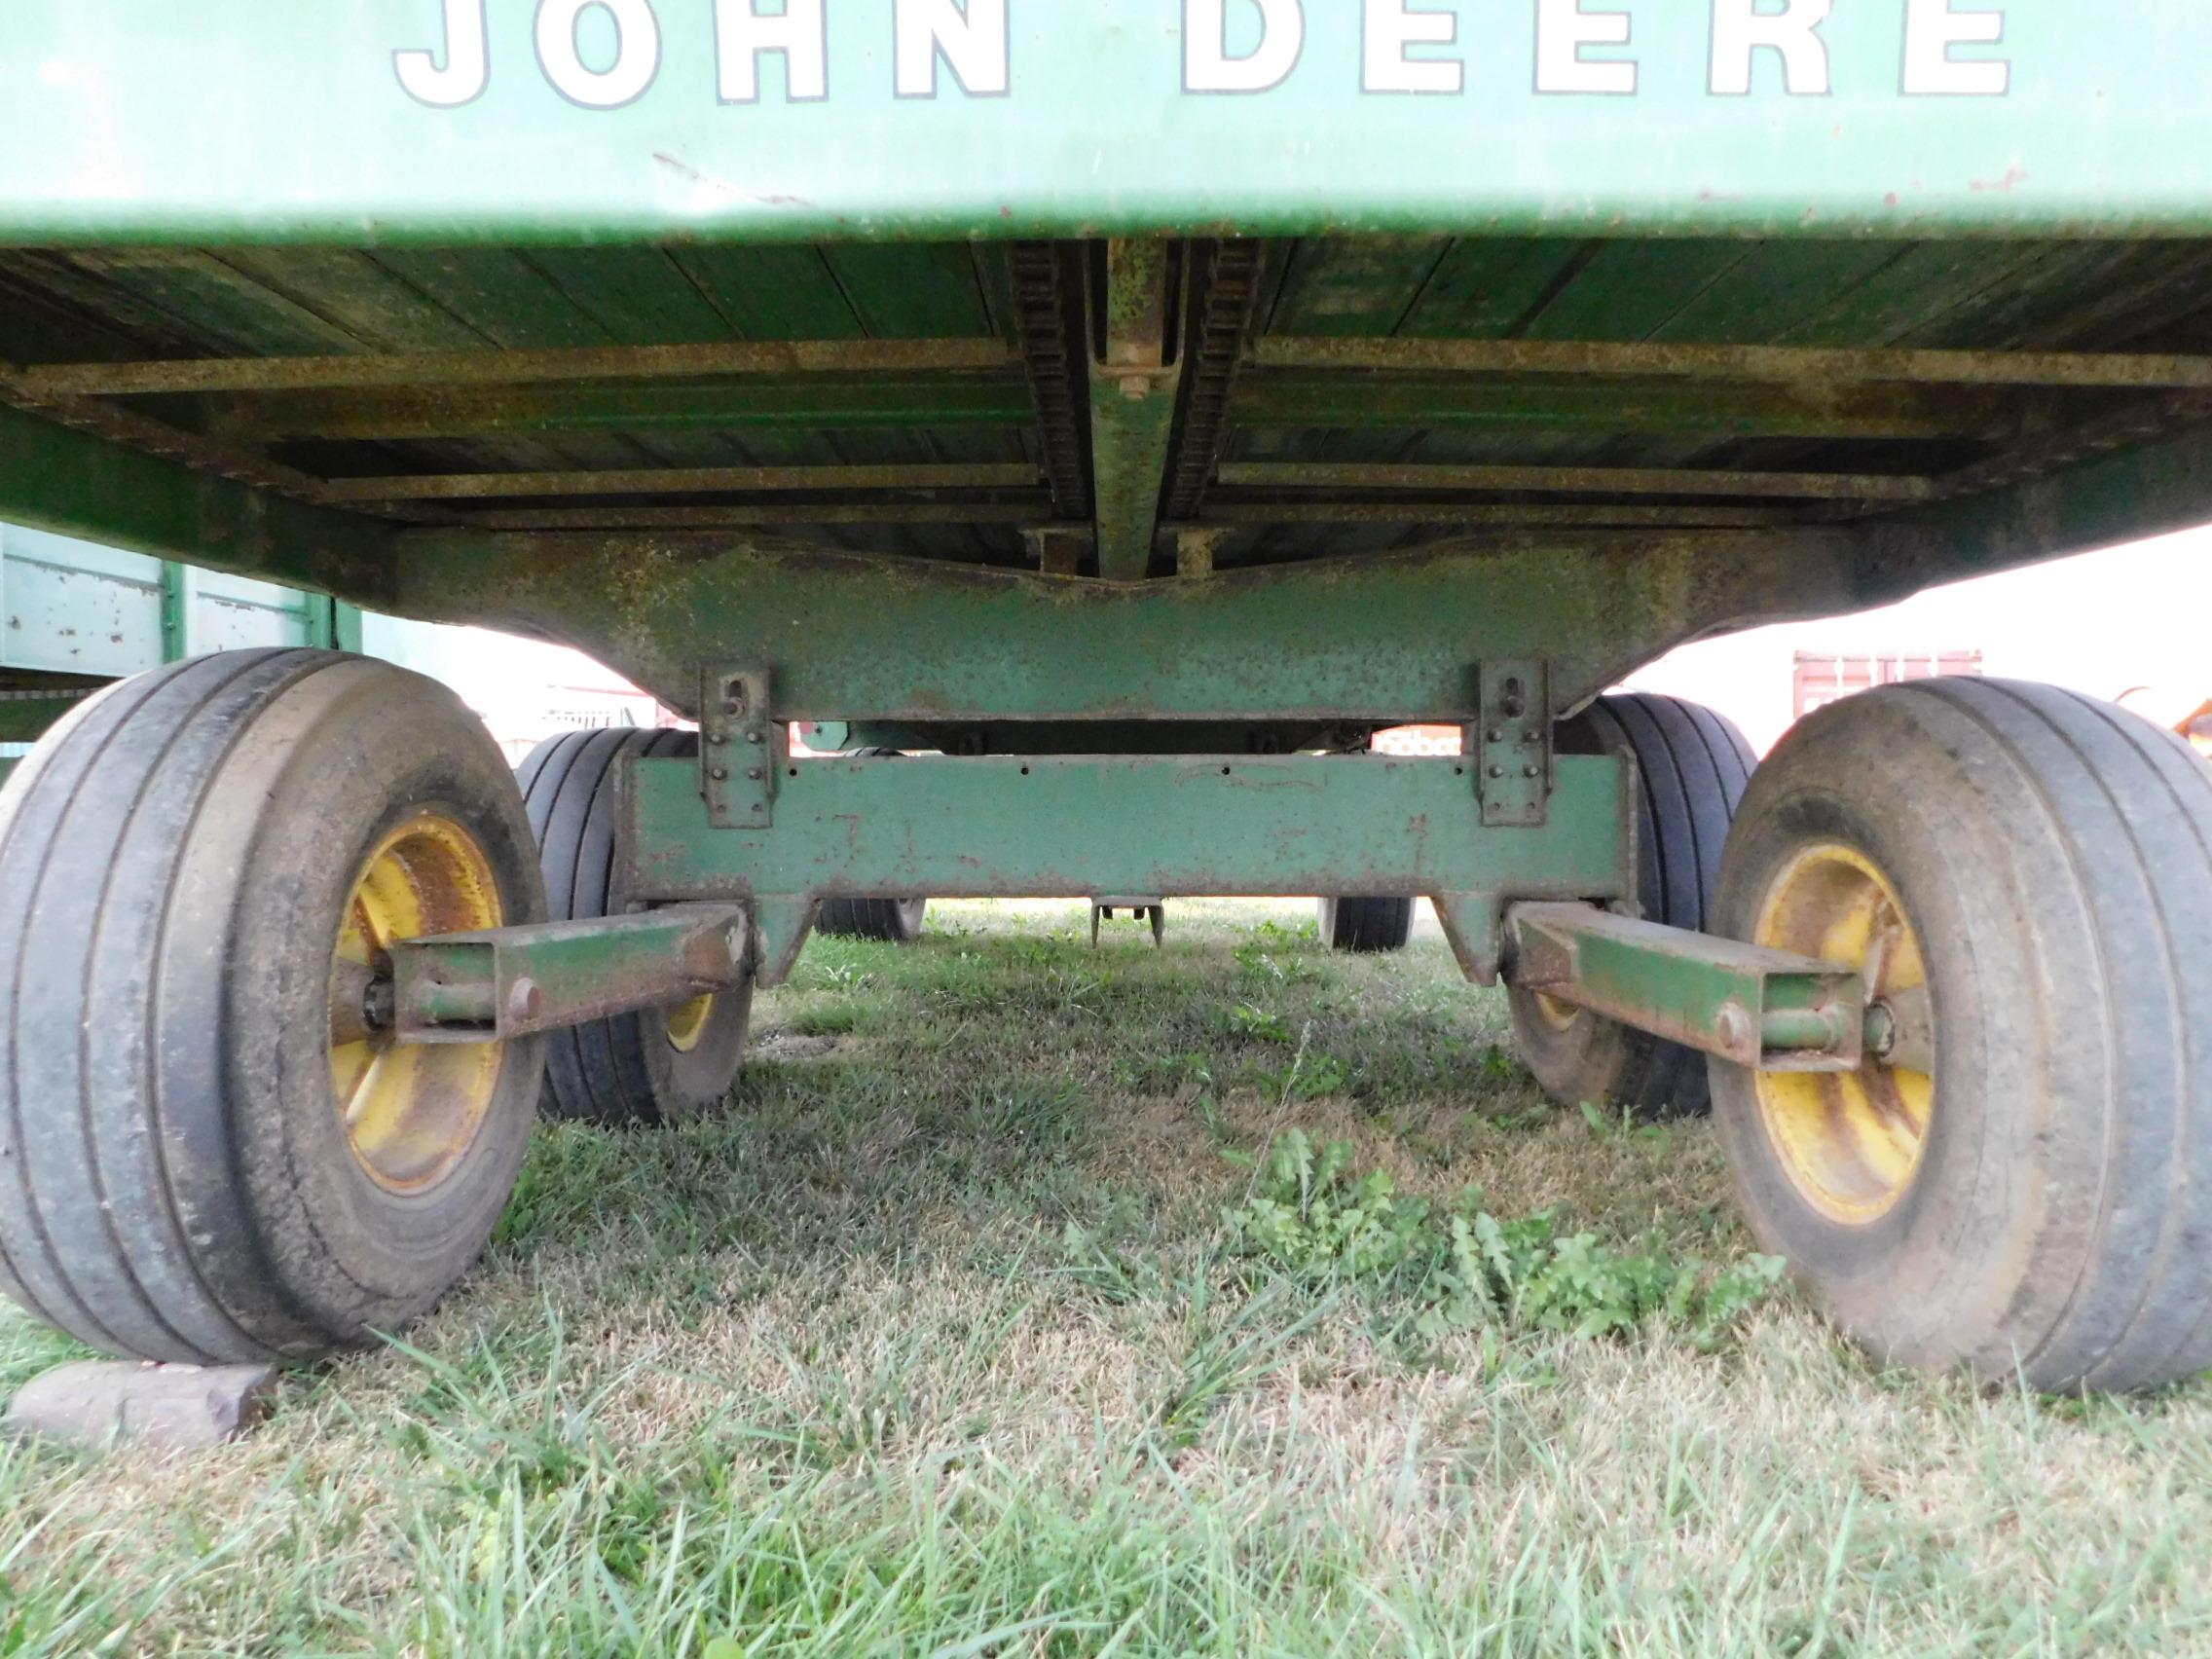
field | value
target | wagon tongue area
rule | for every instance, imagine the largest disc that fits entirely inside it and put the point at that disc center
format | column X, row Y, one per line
column 1123, row 409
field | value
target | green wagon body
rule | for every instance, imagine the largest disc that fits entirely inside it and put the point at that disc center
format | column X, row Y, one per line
column 1161, row 387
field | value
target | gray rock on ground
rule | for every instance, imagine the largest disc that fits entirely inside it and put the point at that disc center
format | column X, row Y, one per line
column 166, row 1408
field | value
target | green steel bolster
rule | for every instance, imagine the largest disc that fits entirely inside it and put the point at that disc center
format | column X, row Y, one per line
column 1395, row 638
column 73, row 483
column 393, row 120
column 26, row 719
column 1757, row 1008
column 488, row 987
column 1065, row 827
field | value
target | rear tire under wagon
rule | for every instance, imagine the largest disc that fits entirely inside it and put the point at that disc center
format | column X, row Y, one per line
column 1693, row 766
column 659, row 1066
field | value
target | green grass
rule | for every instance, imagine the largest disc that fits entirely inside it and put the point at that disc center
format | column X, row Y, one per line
column 993, row 1321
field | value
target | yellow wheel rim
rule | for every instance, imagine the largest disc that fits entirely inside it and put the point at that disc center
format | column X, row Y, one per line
column 411, row 1111
column 1558, row 1015
column 1852, row 1142
column 688, row 1023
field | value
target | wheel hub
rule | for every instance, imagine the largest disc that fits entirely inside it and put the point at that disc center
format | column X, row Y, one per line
column 1853, row 1142
column 411, row 1112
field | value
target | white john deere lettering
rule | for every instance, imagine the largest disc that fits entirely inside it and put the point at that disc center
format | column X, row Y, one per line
column 603, row 55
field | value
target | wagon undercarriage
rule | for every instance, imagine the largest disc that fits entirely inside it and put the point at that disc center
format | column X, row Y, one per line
column 1102, row 461
column 1715, row 432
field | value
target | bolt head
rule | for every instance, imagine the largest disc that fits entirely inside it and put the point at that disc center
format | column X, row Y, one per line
column 720, row 774
column 755, row 735
column 1495, row 736
column 756, row 774
column 717, row 738
column 1498, row 771
column 525, row 1000
column 1531, row 771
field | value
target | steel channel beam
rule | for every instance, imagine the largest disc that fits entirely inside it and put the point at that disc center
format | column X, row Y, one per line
column 782, row 515
column 410, row 371
column 1134, row 386
column 1786, row 365
column 1293, row 399
column 484, row 987
column 821, row 401
column 1757, row 1008
column 1445, row 512
column 1052, row 827
column 1574, row 481
column 679, row 481
column 1043, row 299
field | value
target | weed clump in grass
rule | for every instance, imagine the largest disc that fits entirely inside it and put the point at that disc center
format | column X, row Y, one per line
column 1463, row 1269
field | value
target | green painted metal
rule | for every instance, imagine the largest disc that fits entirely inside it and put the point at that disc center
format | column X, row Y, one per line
column 1894, row 115
column 1757, row 1008
column 72, row 483
column 488, row 987
column 852, row 638
column 1133, row 389
column 1048, row 827
column 25, row 718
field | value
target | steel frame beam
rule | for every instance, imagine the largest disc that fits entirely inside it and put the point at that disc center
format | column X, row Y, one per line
column 1296, row 399
column 1066, row 826
column 409, row 371
column 679, row 481
column 1363, row 640
column 1135, row 383
column 1780, row 365
column 1438, row 479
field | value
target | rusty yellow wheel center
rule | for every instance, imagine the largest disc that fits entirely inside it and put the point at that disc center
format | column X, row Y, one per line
column 1558, row 1015
column 688, row 1024
column 411, row 1111
column 1852, row 1142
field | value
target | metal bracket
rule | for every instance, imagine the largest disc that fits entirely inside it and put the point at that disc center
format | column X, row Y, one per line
column 1154, row 911
column 1757, row 1008
column 741, row 749
column 510, row 982
column 1512, row 745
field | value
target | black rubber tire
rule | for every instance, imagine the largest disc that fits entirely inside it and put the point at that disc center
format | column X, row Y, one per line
column 1366, row 926
column 1694, row 765
column 626, row 1069
column 886, row 921
column 176, row 863
column 2054, row 857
